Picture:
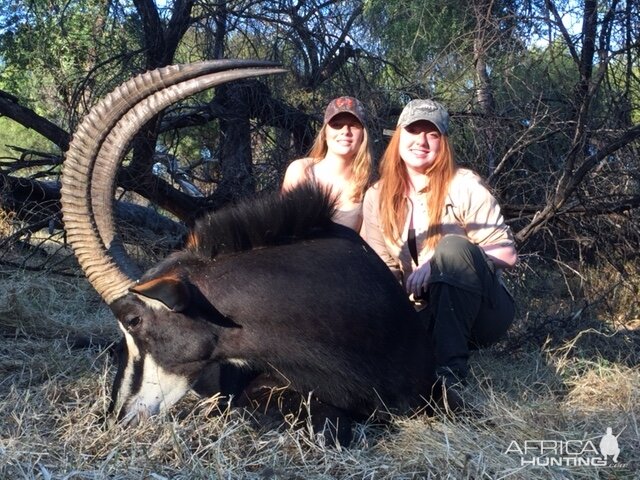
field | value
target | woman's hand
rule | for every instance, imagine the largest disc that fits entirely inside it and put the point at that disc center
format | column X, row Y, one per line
column 416, row 283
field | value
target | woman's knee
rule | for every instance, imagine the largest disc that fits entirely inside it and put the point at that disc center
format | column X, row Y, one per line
column 459, row 262
column 453, row 249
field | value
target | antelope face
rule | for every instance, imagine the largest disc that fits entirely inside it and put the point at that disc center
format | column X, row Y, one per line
column 160, row 357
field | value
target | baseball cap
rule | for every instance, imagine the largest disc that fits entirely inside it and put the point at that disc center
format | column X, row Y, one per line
column 429, row 110
column 345, row 104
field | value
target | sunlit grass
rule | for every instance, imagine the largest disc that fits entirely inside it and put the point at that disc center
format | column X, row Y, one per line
column 54, row 398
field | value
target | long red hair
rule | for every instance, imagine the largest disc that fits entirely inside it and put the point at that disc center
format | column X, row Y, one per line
column 394, row 185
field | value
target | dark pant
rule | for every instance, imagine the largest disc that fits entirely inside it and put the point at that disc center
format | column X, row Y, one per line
column 467, row 306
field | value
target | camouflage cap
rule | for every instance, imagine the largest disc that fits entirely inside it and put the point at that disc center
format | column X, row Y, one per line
column 428, row 110
column 345, row 105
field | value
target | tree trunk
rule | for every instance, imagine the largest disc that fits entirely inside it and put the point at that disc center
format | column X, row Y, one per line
column 236, row 160
column 484, row 91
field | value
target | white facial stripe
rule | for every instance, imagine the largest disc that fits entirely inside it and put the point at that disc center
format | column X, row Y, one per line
column 132, row 348
column 159, row 390
column 133, row 355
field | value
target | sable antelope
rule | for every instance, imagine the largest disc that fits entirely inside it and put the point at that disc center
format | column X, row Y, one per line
column 271, row 284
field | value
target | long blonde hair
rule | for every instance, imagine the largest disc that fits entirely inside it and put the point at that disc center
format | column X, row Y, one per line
column 394, row 184
column 360, row 165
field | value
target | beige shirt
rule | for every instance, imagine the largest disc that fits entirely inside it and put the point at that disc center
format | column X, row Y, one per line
column 470, row 210
column 349, row 218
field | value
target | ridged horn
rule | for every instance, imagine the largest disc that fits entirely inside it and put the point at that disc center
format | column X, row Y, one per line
column 98, row 148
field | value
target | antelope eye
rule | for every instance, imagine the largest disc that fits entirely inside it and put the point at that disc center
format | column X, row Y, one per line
column 132, row 322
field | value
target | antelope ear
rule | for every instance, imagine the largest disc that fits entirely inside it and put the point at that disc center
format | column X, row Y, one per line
column 171, row 291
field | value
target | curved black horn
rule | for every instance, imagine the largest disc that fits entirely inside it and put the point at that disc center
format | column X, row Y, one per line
column 98, row 147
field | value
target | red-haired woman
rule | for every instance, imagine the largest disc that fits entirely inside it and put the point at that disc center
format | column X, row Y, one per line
column 340, row 159
column 441, row 232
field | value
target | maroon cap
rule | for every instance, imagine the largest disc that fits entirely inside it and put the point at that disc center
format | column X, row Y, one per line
column 345, row 105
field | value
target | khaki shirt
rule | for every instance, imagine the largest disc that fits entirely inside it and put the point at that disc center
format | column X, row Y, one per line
column 470, row 210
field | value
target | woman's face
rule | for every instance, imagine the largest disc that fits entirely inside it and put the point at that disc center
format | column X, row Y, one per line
column 344, row 135
column 419, row 145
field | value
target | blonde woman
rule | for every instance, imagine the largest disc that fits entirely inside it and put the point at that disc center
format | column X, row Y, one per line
column 339, row 159
column 441, row 232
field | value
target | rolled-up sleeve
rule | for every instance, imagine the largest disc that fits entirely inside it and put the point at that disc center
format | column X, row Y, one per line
column 371, row 231
column 483, row 220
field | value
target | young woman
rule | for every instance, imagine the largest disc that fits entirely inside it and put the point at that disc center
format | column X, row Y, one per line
column 339, row 159
column 440, row 231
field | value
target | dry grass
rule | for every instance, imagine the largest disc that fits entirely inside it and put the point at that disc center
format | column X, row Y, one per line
column 53, row 399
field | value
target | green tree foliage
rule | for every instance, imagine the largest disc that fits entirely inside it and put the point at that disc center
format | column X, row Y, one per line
column 433, row 42
column 14, row 134
column 544, row 95
column 416, row 32
column 49, row 48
